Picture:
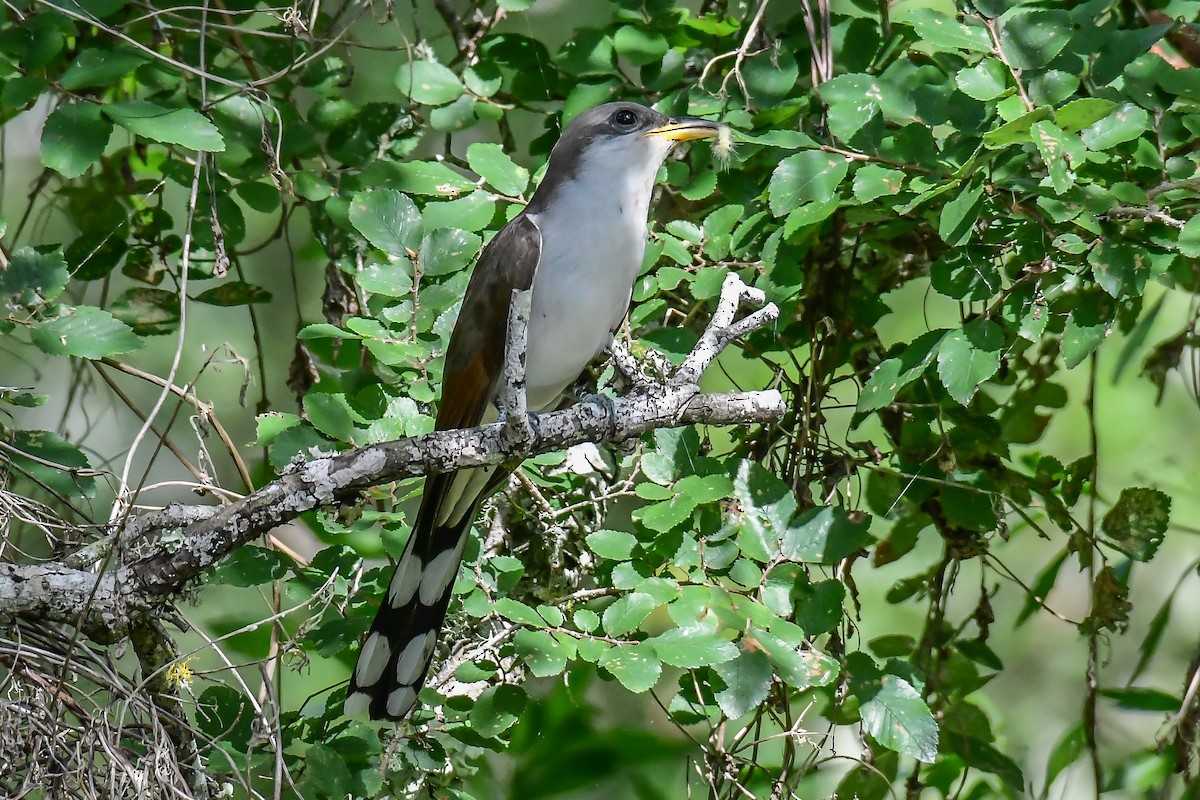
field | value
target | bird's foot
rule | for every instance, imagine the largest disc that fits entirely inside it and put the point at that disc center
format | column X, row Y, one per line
column 605, row 407
column 519, row 429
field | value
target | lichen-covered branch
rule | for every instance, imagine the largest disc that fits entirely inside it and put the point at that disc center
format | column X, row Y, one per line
column 106, row 604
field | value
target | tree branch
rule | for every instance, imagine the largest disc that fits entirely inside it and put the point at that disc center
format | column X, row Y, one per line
column 115, row 599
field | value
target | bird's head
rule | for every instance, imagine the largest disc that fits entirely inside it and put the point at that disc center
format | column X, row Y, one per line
column 620, row 139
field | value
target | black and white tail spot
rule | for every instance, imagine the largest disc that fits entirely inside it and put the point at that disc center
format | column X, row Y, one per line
column 400, row 701
column 405, row 582
column 374, row 658
column 412, row 662
column 441, row 570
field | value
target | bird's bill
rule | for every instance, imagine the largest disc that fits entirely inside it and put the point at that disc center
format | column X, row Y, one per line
column 686, row 129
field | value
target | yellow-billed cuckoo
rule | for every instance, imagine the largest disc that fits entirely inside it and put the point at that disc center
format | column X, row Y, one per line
column 579, row 245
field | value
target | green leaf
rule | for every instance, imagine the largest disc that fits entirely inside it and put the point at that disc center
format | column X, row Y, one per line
column 269, row 426
column 717, row 228
column 34, row 275
column 894, row 374
column 544, row 655
column 388, row 280
column 639, row 46
column 635, row 666
column 388, row 219
column 898, row 718
column 1031, row 39
column 797, row 667
column 327, row 775
column 747, row 681
column 1087, row 326
column 1137, row 522
column 182, row 126
column 1066, row 752
column 1041, row 588
column 518, row 612
column 250, row 565
column 980, row 755
column 767, row 506
column 788, row 140
column 852, row 100
column 1120, row 269
column 873, row 181
column 234, row 293
column 224, row 715
column 686, row 230
column 86, row 332
column 497, row 710
column 825, row 535
column 697, row 646
column 968, row 357
column 810, row 176
column 22, row 399
column 1138, row 698
column 323, row 330
column 966, row 273
column 944, row 34
column 419, row 177
column 1016, row 131
column 456, row 116
column 330, row 414
column 810, row 214
column 491, row 163
column 52, row 461
column 470, row 213
column 613, row 545
column 770, row 75
column 1154, row 636
column 1083, row 113
column 819, row 606
column 1122, row 47
column 627, row 612
column 428, row 82
column 1059, row 151
column 74, row 138
column 987, row 80
column 1189, row 238
column 957, row 223
column 96, row 66
column 589, row 52
column 1126, row 123
column 447, row 250
column 586, row 620
column 150, row 312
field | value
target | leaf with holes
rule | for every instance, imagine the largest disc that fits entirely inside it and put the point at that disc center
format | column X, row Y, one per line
column 1137, row 522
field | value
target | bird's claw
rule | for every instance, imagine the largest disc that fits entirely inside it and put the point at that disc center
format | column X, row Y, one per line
column 520, row 429
column 606, row 406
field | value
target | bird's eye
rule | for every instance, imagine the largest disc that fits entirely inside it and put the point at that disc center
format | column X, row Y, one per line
column 624, row 118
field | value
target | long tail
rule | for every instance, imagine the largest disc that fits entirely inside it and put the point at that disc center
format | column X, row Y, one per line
column 396, row 654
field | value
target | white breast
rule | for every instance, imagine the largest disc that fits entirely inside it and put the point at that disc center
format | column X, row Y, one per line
column 593, row 241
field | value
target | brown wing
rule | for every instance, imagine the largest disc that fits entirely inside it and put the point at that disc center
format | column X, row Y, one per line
column 475, row 355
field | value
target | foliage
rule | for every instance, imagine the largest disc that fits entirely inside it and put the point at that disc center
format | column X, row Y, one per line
column 1029, row 169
